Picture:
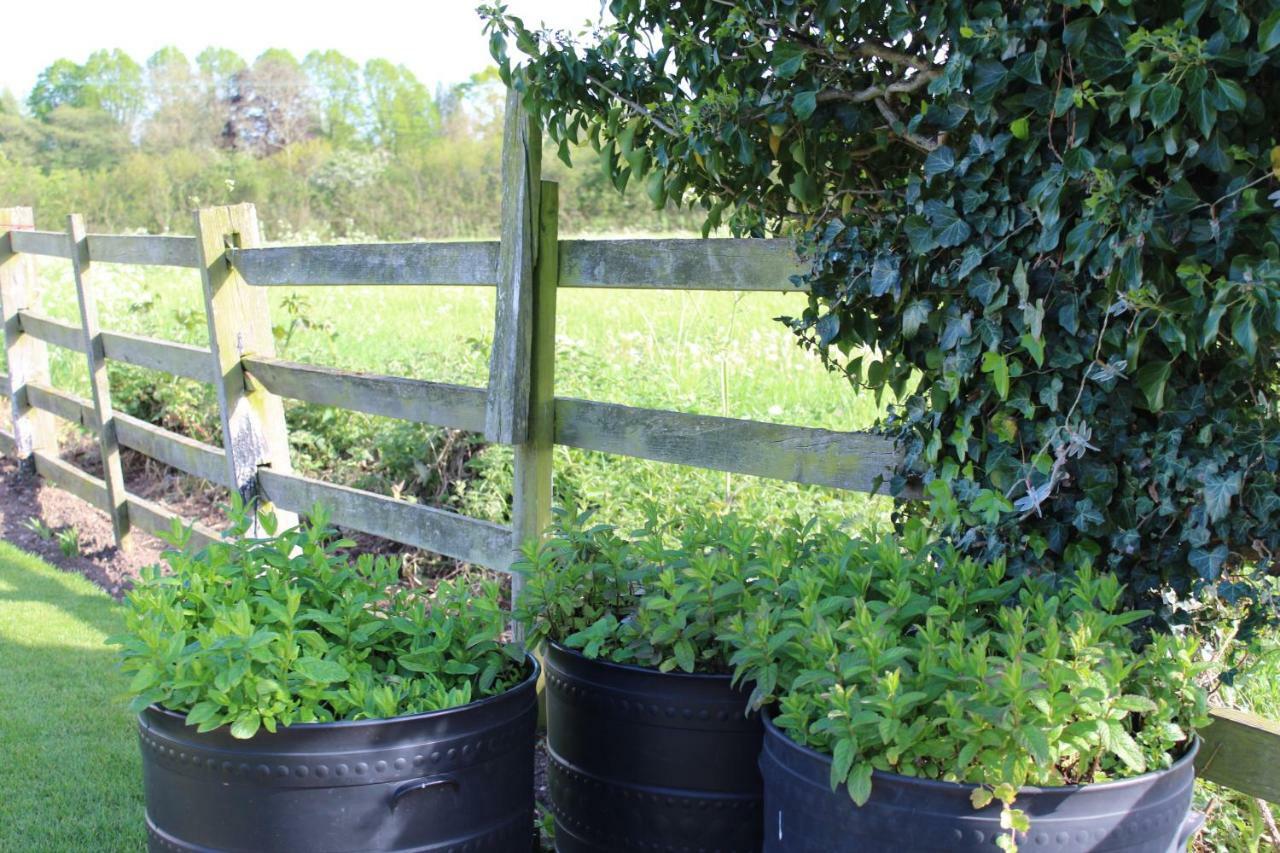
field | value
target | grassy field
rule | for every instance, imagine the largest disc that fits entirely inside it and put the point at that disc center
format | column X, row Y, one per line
column 708, row 353
column 70, row 771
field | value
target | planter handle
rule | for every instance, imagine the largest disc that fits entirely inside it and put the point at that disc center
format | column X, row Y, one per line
column 422, row 785
column 1189, row 827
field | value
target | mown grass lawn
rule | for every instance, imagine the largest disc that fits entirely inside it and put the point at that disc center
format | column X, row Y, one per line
column 69, row 774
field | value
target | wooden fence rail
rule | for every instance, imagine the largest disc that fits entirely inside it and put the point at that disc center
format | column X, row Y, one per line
column 519, row 407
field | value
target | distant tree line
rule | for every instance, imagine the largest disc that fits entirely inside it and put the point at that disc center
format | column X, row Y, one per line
column 324, row 146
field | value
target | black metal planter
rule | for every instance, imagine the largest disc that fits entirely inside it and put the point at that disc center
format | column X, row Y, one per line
column 454, row 780
column 643, row 760
column 1146, row 814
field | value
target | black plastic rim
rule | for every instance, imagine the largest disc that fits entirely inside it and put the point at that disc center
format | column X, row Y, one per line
column 1148, row 813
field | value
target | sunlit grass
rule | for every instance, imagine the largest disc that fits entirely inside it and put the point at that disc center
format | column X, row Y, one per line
column 70, row 771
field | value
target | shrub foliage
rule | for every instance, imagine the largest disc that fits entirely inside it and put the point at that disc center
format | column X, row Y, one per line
column 1050, row 228
column 264, row 632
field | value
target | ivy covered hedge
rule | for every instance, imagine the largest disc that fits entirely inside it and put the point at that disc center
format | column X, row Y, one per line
column 1050, row 228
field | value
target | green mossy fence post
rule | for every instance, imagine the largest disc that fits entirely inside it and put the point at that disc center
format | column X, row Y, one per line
column 27, row 357
column 253, row 426
column 520, row 406
column 96, row 357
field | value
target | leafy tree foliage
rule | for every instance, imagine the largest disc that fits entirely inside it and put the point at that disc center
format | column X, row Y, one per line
column 325, row 146
column 1048, row 227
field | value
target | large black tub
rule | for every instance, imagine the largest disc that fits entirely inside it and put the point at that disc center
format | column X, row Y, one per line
column 642, row 760
column 1145, row 814
column 453, row 780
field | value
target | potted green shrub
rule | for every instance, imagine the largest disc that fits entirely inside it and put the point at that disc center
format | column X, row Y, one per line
column 291, row 699
column 650, row 745
column 922, row 701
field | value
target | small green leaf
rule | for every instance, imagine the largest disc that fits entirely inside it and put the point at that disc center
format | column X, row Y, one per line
column 804, row 104
column 997, row 365
column 320, row 670
column 860, row 783
column 1151, row 379
column 1020, row 128
column 247, row 726
column 1269, row 32
column 1164, row 100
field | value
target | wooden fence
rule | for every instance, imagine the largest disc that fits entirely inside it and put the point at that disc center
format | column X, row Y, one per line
column 519, row 407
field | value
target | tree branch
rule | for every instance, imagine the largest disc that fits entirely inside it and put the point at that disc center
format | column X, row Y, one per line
column 895, row 121
column 636, row 107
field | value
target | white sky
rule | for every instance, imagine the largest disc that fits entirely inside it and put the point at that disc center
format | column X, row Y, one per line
column 439, row 40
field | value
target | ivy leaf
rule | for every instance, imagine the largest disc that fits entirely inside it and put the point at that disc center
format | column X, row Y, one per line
column 1269, row 32
column 1208, row 564
column 997, row 365
column 1020, row 128
column 915, row 315
column 949, row 229
column 919, row 234
column 1229, row 94
column 1152, row 378
column 1218, row 492
column 1165, row 100
column 803, row 104
column 1243, row 332
column 828, row 327
column 885, row 274
column 1180, row 197
column 940, row 161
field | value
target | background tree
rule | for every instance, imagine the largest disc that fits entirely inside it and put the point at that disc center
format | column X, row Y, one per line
column 402, row 111
column 270, row 105
column 1049, row 228
column 335, row 82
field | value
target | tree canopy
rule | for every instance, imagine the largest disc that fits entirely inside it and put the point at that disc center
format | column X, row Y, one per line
column 1049, row 228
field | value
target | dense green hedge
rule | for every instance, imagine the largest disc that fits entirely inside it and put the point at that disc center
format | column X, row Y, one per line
column 1049, row 227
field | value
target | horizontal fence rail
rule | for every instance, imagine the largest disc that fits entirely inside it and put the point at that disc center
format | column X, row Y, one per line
column 742, row 265
column 451, row 406
column 1241, row 751
column 372, row 263
column 54, row 244
column 470, row 540
column 842, row 460
column 144, row 250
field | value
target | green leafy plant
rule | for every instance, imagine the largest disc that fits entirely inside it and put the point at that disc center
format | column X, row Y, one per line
column 264, row 632
column 39, row 528
column 890, row 654
column 1050, row 228
column 655, row 597
column 69, row 541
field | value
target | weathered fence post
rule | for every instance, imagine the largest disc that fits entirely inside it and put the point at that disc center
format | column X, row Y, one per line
column 253, row 426
column 507, row 407
column 520, row 407
column 531, row 493
column 28, row 357
column 95, row 353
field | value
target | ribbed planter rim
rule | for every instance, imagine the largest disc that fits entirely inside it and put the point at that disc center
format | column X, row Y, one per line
column 531, row 680
column 1187, row 757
